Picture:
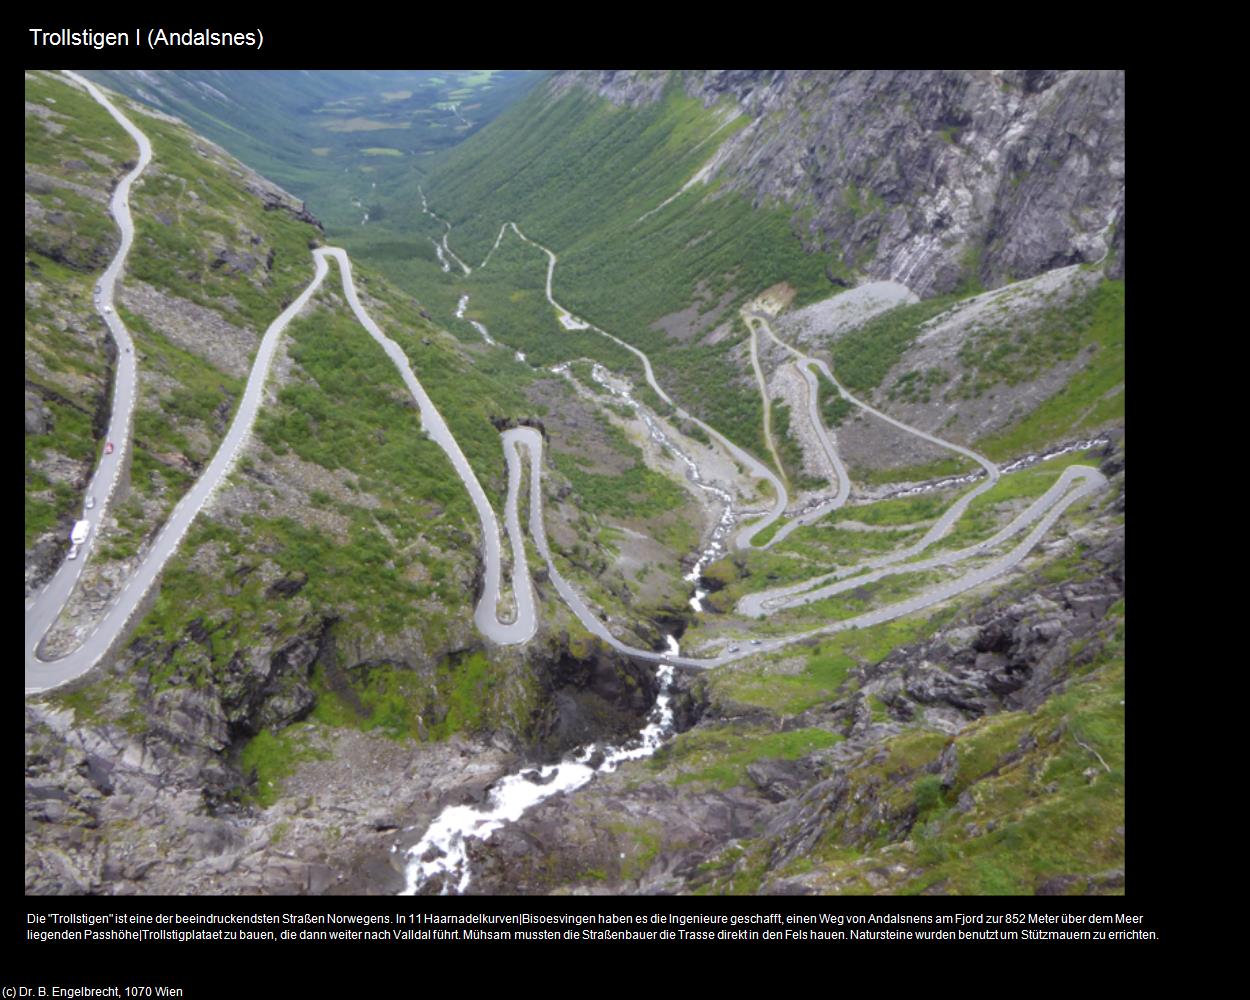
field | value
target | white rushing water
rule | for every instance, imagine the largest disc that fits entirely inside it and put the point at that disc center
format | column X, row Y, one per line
column 1028, row 460
column 623, row 390
column 1016, row 466
column 460, row 308
column 438, row 249
column 443, row 851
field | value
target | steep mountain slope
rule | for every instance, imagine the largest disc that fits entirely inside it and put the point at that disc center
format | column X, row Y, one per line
column 69, row 241
column 307, row 691
column 217, row 250
column 332, row 578
column 332, row 137
column 929, row 178
column 674, row 199
column 980, row 751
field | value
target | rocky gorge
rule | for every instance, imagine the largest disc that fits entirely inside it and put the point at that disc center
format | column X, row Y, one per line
column 305, row 693
column 132, row 789
column 933, row 179
column 139, row 787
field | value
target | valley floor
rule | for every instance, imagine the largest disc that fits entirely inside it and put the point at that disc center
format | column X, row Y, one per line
column 897, row 694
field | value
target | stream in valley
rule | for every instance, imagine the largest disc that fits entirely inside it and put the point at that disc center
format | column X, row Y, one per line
column 442, row 854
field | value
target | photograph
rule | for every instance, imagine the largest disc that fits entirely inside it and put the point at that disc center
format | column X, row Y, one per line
column 572, row 483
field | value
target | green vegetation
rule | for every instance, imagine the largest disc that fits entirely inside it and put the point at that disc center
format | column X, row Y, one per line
column 827, row 664
column 1054, row 808
column 73, row 149
column 719, row 757
column 1031, row 796
column 398, row 554
column 862, row 358
column 403, row 703
column 834, row 407
column 382, row 697
column 94, row 129
column 766, row 536
column 343, row 360
column 983, row 517
column 180, row 427
column 179, row 239
column 641, row 842
column 992, row 354
column 862, row 203
column 849, row 603
column 1093, row 397
column 829, row 544
column 96, row 703
column 267, row 118
column 132, row 525
column 615, row 271
column 790, row 451
column 270, row 757
column 470, row 680
column 939, row 468
column 638, row 492
column 634, row 491
column 902, row 510
column 342, row 363
column 44, row 515
column 917, row 386
column 509, row 296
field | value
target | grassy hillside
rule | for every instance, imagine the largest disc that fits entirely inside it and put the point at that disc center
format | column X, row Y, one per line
column 331, row 137
column 381, row 541
column 576, row 174
column 74, row 151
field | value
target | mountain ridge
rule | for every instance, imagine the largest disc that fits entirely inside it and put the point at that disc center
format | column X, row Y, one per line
column 1020, row 171
column 345, row 558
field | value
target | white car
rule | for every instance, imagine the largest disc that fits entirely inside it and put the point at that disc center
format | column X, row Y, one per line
column 73, row 552
column 90, row 502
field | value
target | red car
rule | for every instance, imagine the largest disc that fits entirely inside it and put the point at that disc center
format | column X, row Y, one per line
column 108, row 448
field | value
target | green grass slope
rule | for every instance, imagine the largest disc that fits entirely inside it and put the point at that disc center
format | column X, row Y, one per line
column 576, row 174
column 73, row 153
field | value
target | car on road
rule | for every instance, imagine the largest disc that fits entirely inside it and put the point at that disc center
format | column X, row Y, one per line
column 733, row 649
column 108, row 309
column 755, row 642
column 90, row 502
column 108, row 448
column 81, row 530
column 73, row 552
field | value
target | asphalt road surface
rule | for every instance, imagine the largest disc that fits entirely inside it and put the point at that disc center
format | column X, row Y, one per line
column 40, row 675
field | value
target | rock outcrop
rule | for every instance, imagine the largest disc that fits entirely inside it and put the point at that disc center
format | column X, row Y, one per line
column 935, row 179
column 649, row 833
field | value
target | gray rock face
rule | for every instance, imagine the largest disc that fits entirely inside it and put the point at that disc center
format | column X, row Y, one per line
column 605, row 697
column 633, row 832
column 38, row 419
column 930, row 178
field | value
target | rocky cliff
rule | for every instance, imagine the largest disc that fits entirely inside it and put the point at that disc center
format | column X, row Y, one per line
column 953, row 765
column 936, row 179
